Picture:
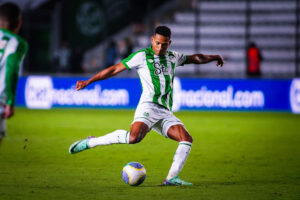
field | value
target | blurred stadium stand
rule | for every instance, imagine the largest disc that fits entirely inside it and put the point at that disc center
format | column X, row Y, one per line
column 227, row 26
column 223, row 27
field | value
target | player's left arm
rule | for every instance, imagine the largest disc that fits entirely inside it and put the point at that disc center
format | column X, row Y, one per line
column 202, row 59
column 13, row 63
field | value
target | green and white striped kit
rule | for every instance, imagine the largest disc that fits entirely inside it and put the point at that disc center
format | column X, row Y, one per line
column 156, row 74
column 12, row 51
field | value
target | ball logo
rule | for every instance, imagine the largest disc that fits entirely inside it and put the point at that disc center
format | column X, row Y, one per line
column 295, row 96
column 38, row 92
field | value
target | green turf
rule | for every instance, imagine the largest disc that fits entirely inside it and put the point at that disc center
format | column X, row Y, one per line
column 234, row 156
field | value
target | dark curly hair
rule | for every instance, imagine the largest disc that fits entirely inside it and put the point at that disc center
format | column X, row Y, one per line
column 163, row 30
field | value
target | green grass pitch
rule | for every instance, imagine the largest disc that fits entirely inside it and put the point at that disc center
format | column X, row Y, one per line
column 235, row 155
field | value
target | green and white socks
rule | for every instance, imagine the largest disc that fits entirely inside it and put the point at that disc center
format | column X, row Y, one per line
column 179, row 159
column 116, row 137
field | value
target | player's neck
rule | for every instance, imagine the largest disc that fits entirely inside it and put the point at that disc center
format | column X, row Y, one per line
column 151, row 47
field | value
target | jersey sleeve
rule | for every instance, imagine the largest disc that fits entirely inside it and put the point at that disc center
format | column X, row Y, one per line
column 134, row 60
column 180, row 58
column 12, row 71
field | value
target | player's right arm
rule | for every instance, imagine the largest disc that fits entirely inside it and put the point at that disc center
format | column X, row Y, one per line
column 102, row 75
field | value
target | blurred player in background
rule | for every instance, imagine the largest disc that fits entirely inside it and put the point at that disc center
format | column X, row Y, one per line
column 12, row 51
column 155, row 66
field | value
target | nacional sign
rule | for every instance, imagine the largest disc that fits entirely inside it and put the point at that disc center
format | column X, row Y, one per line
column 45, row 92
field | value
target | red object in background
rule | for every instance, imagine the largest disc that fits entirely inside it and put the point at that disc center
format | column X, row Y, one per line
column 253, row 60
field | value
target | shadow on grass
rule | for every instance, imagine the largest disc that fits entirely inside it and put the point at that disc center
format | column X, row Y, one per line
column 243, row 182
column 216, row 183
column 163, row 186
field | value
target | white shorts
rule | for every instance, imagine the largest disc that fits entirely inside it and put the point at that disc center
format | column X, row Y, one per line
column 156, row 117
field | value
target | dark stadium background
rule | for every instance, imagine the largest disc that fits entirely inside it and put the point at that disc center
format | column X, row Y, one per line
column 225, row 27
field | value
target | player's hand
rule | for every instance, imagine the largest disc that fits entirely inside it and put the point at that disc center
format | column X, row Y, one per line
column 220, row 60
column 9, row 111
column 81, row 84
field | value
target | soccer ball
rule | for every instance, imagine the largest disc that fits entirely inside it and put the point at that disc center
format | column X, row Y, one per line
column 134, row 173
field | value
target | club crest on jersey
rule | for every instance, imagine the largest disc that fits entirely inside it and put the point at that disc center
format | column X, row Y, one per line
column 159, row 68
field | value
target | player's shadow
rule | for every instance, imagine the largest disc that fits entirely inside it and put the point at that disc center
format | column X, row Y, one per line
column 242, row 182
column 214, row 183
column 157, row 186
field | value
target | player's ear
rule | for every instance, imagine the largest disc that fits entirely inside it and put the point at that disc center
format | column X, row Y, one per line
column 170, row 42
column 153, row 41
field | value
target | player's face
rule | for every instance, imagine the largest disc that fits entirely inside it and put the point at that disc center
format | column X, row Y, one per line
column 160, row 44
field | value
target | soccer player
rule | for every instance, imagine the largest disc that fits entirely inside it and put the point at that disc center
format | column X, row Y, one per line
column 12, row 51
column 155, row 66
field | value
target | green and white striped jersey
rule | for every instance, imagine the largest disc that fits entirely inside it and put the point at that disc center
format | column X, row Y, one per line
column 156, row 74
column 12, row 51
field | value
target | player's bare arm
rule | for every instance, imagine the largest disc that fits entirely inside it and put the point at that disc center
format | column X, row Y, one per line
column 102, row 75
column 202, row 59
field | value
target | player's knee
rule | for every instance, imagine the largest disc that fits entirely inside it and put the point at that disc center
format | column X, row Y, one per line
column 136, row 137
column 187, row 138
column 190, row 139
column 138, row 132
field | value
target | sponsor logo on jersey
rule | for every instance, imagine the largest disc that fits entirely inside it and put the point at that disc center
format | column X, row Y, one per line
column 160, row 68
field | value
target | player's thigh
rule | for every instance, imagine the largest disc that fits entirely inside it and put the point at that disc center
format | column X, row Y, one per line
column 163, row 125
column 138, row 131
column 179, row 133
